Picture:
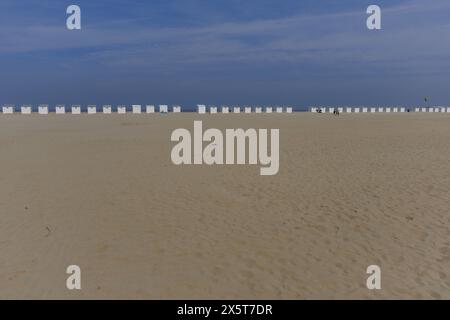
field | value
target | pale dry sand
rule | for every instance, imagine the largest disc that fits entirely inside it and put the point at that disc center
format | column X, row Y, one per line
column 100, row 191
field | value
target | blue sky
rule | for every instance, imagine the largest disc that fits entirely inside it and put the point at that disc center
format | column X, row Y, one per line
column 300, row 53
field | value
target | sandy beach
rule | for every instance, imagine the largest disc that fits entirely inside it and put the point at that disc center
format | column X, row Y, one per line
column 100, row 191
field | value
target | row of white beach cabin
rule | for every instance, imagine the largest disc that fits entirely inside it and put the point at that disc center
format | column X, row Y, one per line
column 378, row 109
column 434, row 109
column 91, row 109
column 202, row 109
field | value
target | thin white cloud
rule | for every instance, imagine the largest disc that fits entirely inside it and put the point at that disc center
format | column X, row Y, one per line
column 334, row 40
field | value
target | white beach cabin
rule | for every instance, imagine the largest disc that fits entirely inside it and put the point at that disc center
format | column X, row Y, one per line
column 43, row 109
column 279, row 109
column 8, row 109
column 60, row 109
column 76, row 109
column 91, row 109
column 268, row 109
column 176, row 109
column 150, row 108
column 348, row 110
column 213, row 110
column 136, row 108
column 201, row 108
column 163, row 108
column 25, row 109
column 107, row 109
column 236, row 109
column 225, row 109
column 121, row 109
column 248, row 109
column 288, row 109
column 258, row 110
